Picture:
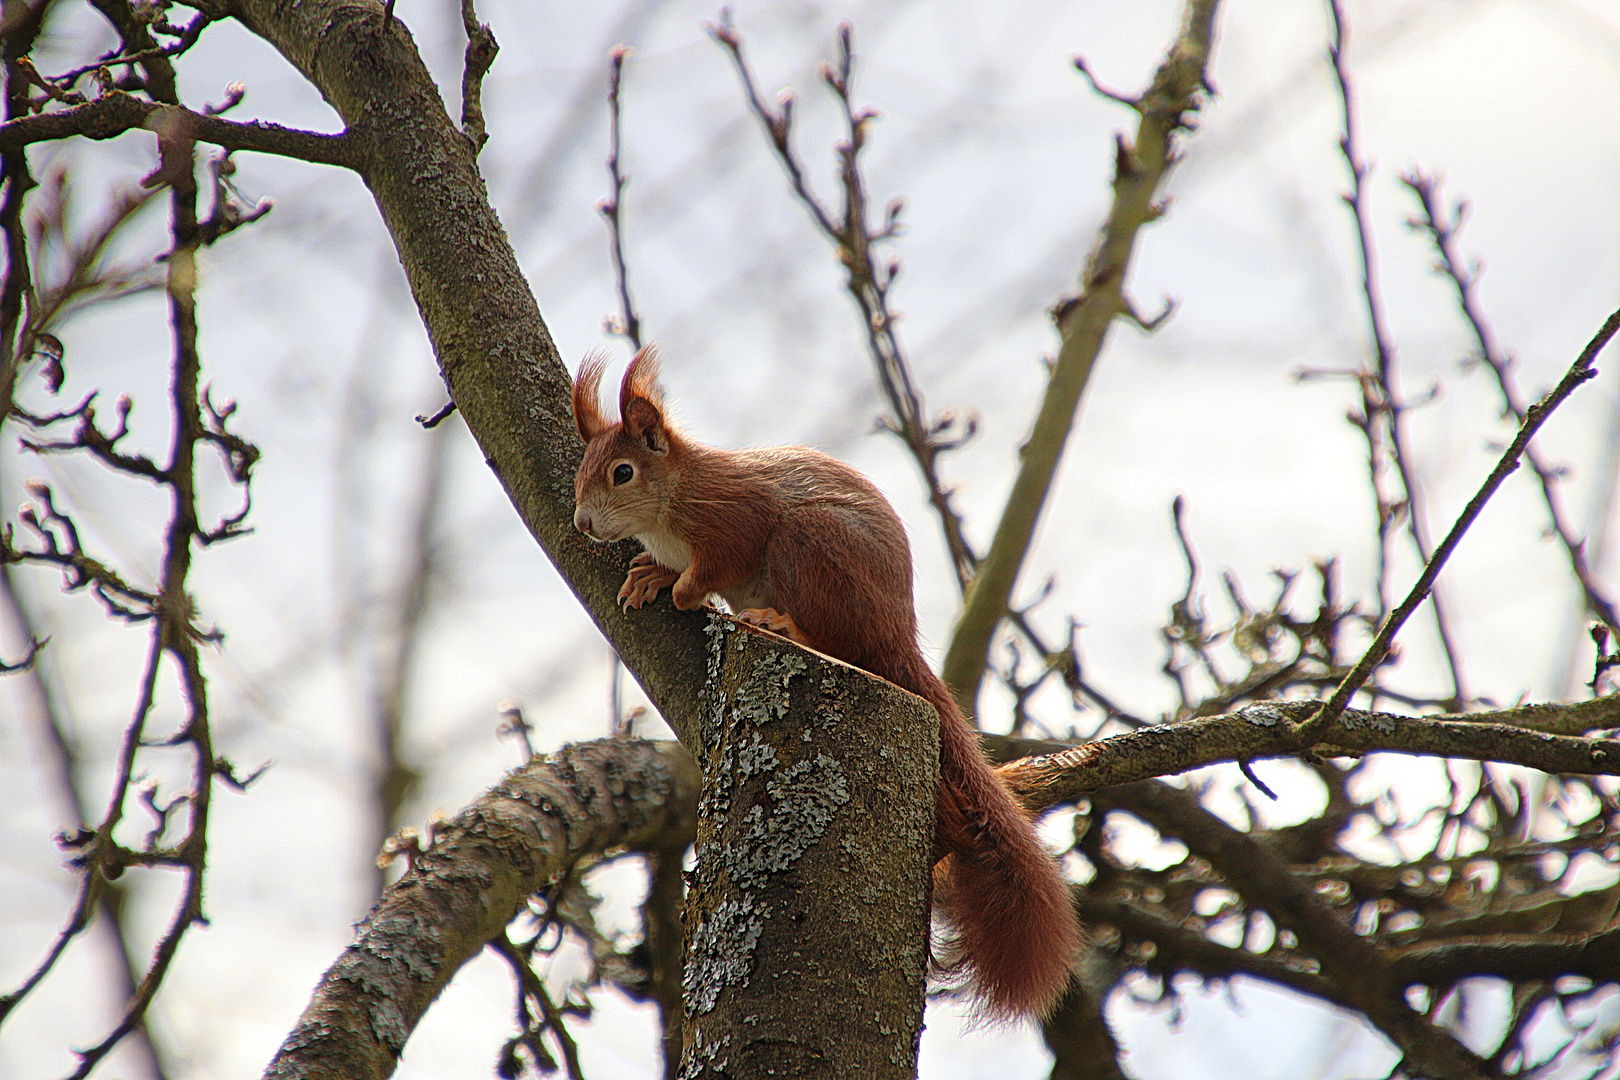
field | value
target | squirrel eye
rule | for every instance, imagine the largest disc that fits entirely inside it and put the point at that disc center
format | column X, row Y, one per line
column 623, row 473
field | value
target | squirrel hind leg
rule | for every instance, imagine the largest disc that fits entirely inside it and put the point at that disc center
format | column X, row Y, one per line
column 774, row 621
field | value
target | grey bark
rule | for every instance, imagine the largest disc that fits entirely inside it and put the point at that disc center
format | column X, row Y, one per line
column 807, row 917
column 463, row 891
column 505, row 376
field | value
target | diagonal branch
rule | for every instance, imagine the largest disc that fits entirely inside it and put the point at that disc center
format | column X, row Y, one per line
column 462, row 892
column 1083, row 324
column 867, row 282
column 107, row 897
column 1535, row 416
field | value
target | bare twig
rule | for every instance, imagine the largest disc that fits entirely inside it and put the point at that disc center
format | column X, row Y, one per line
column 868, row 283
column 439, row 417
column 185, row 37
column 168, row 609
column 476, row 62
column 627, row 322
column 661, row 910
column 1535, row 416
column 88, row 276
column 530, row 987
column 612, row 207
column 1443, row 232
column 1382, row 420
column 135, row 36
column 58, row 544
column 116, row 113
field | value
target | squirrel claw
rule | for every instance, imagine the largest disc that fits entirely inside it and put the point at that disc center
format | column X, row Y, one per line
column 772, row 620
column 643, row 581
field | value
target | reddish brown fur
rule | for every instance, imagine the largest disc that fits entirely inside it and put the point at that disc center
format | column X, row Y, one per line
column 793, row 530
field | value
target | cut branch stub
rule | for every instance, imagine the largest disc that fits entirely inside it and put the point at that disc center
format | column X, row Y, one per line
column 807, row 916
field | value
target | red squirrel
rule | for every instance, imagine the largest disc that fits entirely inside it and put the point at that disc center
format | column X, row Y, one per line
column 802, row 544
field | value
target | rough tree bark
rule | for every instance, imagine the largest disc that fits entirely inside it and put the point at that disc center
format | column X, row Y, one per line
column 852, row 1009
column 463, row 891
column 807, row 839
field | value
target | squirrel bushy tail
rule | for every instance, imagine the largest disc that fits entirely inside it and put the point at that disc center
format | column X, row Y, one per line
column 1012, row 917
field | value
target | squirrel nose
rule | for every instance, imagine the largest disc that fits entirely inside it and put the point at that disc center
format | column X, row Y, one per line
column 582, row 522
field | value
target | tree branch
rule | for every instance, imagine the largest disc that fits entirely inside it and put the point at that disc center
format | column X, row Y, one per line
column 476, row 62
column 1272, row 729
column 1443, row 233
column 1083, row 324
column 1352, row 962
column 1535, row 416
column 867, row 283
column 493, row 348
column 1523, row 959
column 1381, row 399
column 118, row 112
column 1180, row 948
column 461, row 893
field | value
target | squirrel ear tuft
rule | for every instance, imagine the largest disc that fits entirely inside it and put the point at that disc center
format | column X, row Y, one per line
column 588, row 416
column 641, row 381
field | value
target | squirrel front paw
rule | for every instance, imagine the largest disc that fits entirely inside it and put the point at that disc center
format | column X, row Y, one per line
column 643, row 581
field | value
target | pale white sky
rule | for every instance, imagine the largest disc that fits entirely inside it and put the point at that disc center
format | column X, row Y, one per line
column 1002, row 155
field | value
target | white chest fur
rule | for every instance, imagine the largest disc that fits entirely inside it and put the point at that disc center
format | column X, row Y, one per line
column 668, row 549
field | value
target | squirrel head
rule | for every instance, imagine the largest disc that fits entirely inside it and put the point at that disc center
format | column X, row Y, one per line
column 628, row 474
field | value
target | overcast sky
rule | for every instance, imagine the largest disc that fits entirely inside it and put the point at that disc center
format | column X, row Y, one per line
column 1002, row 155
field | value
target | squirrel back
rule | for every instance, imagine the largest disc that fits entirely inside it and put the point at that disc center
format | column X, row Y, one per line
column 801, row 534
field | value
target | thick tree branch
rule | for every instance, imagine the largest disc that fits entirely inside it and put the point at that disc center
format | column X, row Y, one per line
column 1522, row 959
column 493, row 347
column 462, row 892
column 809, row 845
column 1517, row 736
